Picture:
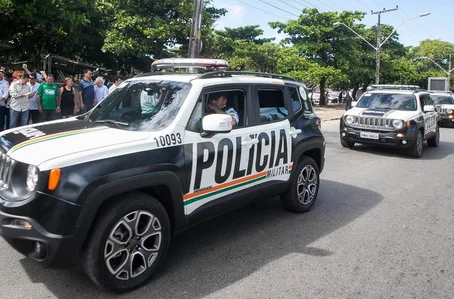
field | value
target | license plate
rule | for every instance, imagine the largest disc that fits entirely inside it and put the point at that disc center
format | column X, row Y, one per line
column 369, row 135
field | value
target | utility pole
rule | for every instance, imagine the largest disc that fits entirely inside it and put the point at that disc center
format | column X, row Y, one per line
column 195, row 38
column 449, row 72
column 377, row 62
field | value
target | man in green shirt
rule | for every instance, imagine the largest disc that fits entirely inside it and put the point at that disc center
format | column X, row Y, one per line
column 48, row 99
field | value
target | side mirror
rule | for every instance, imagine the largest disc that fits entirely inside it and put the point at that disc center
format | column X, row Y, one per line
column 429, row 108
column 216, row 123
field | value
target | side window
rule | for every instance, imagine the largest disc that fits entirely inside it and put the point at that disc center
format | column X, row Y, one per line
column 429, row 100
column 231, row 102
column 295, row 99
column 306, row 102
column 272, row 105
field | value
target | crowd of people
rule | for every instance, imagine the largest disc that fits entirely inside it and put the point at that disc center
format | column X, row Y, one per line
column 31, row 96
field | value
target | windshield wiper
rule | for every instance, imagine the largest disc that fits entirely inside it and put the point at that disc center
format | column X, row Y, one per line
column 113, row 122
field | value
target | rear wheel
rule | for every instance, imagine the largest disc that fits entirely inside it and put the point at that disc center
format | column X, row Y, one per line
column 416, row 150
column 304, row 188
column 346, row 143
column 128, row 242
column 434, row 141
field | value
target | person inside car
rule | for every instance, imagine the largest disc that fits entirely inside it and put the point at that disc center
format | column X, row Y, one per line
column 219, row 106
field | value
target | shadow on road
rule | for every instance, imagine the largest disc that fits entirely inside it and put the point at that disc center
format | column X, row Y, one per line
column 224, row 250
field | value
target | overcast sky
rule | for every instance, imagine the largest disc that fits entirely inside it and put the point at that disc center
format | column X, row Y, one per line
column 438, row 25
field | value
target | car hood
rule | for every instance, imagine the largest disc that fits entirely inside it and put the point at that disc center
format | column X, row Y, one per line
column 38, row 143
column 445, row 106
column 385, row 113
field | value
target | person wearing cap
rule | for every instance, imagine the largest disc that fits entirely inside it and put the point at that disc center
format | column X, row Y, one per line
column 20, row 103
column 4, row 93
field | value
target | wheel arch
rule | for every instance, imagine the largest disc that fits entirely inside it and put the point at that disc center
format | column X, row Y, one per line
column 163, row 186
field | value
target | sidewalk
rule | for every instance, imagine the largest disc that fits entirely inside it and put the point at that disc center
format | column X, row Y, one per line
column 329, row 112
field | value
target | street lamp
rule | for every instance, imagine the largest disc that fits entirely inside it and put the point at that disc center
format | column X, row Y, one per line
column 380, row 44
column 447, row 72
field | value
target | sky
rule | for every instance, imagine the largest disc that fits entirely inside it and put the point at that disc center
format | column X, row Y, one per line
column 438, row 25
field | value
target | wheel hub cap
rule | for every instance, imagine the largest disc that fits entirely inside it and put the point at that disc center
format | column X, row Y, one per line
column 307, row 185
column 133, row 245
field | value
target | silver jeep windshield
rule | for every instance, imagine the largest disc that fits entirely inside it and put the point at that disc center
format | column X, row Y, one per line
column 141, row 105
column 405, row 102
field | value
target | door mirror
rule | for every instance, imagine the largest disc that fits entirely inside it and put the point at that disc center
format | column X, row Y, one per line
column 216, row 123
column 429, row 108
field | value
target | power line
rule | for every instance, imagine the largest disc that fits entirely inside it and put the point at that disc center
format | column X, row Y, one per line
column 289, row 5
column 279, row 8
column 300, row 3
column 311, row 5
column 262, row 10
column 363, row 5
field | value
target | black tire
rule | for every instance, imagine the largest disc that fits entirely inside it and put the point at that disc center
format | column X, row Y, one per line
column 346, row 143
column 142, row 223
column 417, row 149
column 434, row 141
column 303, row 190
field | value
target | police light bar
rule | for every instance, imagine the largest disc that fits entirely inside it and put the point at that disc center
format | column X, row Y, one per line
column 399, row 87
column 185, row 63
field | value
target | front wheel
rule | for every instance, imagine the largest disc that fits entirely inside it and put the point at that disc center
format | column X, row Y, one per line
column 304, row 188
column 416, row 150
column 346, row 143
column 434, row 141
column 127, row 243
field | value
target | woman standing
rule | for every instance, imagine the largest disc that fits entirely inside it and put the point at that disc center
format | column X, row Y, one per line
column 68, row 104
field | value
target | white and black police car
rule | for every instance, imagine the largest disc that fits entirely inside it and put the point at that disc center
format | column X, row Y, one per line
column 400, row 116
column 444, row 104
column 110, row 187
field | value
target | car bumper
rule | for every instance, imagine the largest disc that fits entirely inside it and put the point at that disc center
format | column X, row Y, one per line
column 389, row 139
column 33, row 237
column 445, row 119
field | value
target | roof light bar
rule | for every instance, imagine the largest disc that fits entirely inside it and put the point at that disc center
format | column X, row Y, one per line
column 186, row 63
column 399, row 87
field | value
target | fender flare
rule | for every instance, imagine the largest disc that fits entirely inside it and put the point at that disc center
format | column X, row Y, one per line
column 104, row 191
column 305, row 145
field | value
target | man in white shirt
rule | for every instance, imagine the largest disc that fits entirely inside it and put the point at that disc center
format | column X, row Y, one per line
column 34, row 108
column 116, row 81
column 20, row 102
column 4, row 93
column 101, row 90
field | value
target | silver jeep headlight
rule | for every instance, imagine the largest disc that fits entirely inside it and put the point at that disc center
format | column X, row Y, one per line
column 349, row 119
column 397, row 124
column 449, row 111
column 32, row 178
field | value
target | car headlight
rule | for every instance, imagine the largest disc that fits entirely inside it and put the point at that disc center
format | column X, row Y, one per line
column 32, row 177
column 397, row 123
column 449, row 111
column 349, row 119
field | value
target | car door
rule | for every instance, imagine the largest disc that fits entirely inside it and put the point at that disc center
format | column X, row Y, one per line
column 274, row 149
column 430, row 116
column 219, row 165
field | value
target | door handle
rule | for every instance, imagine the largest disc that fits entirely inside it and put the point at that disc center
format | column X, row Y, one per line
column 294, row 131
column 249, row 142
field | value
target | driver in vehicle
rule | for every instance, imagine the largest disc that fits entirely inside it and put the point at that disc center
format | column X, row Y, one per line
column 219, row 106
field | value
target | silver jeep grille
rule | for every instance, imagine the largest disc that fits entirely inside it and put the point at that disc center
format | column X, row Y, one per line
column 372, row 122
column 6, row 170
column 443, row 110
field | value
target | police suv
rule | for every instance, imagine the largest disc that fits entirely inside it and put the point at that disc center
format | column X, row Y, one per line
column 110, row 187
column 444, row 104
column 400, row 116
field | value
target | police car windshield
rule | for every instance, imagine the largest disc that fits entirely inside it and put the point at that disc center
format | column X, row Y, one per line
column 441, row 99
column 387, row 101
column 142, row 105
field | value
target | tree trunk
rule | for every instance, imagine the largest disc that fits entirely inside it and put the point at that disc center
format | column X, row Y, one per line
column 322, row 92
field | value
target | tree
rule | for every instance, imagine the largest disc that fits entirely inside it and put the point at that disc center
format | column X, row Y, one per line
column 317, row 40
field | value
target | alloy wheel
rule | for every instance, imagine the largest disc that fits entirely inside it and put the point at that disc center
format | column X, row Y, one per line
column 306, row 186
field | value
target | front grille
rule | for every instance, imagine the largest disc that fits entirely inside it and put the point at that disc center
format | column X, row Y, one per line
column 372, row 122
column 443, row 110
column 6, row 170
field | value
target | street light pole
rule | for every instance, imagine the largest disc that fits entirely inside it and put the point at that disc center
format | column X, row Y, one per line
column 195, row 38
column 379, row 44
column 447, row 72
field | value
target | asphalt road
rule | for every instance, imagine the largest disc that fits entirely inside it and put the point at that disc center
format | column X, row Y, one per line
column 382, row 227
